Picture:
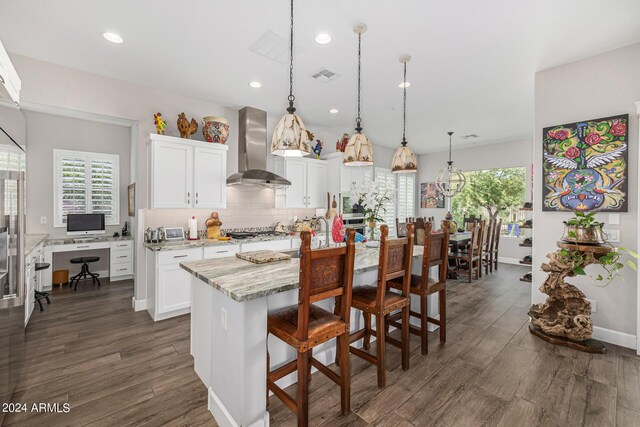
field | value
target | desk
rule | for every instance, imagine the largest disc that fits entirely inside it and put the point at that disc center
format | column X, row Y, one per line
column 120, row 255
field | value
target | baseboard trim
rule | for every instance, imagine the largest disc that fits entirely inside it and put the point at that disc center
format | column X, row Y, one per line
column 138, row 304
column 614, row 337
column 224, row 418
column 507, row 260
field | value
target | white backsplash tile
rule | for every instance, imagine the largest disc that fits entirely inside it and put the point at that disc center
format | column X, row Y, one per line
column 246, row 207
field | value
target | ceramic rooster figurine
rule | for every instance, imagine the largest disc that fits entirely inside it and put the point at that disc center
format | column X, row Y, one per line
column 160, row 123
column 185, row 127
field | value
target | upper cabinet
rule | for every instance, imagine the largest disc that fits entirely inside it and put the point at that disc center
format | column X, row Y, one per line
column 308, row 179
column 343, row 178
column 186, row 174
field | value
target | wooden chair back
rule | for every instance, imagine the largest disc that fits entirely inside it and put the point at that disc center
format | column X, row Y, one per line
column 395, row 260
column 324, row 273
column 496, row 233
column 473, row 243
column 401, row 227
column 488, row 235
column 436, row 252
column 481, row 225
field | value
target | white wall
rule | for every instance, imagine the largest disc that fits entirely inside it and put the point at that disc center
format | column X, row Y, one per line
column 600, row 86
column 490, row 156
column 47, row 132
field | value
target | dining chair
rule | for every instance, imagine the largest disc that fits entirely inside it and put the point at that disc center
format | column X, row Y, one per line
column 324, row 273
column 436, row 250
column 471, row 255
column 487, row 245
column 401, row 227
column 394, row 262
column 496, row 244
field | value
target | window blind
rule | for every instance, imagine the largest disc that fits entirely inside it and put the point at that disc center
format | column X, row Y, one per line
column 406, row 196
column 389, row 214
column 86, row 183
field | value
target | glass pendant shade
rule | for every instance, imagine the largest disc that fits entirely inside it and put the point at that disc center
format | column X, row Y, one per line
column 450, row 181
column 290, row 138
column 358, row 151
column 404, row 161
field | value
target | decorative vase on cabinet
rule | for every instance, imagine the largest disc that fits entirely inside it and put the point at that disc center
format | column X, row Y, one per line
column 215, row 129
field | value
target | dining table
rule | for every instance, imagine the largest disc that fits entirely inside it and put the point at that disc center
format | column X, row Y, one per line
column 456, row 242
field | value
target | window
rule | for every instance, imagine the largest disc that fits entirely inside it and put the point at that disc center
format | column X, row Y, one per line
column 85, row 183
column 389, row 215
column 406, row 197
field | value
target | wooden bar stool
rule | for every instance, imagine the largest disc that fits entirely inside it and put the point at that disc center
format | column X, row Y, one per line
column 394, row 263
column 324, row 273
column 436, row 253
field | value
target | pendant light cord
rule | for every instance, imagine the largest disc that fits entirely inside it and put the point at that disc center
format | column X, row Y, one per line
column 450, row 162
column 291, row 98
column 359, row 118
column 404, row 108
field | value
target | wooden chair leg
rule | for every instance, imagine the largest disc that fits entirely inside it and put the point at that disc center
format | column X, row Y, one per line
column 303, row 390
column 442, row 302
column 380, row 351
column 470, row 266
column 478, row 269
column 345, row 375
column 405, row 338
column 310, row 355
column 336, row 311
column 424, row 340
column 366, row 342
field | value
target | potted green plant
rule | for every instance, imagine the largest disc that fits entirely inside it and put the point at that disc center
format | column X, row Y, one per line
column 583, row 228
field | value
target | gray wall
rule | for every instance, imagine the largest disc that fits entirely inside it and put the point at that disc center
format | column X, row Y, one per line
column 600, row 86
column 46, row 132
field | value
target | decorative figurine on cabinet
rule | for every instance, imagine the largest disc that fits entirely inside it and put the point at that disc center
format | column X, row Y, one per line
column 185, row 127
column 160, row 123
column 213, row 226
column 342, row 143
column 317, row 149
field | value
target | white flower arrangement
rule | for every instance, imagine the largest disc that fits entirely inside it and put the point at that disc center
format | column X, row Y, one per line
column 372, row 195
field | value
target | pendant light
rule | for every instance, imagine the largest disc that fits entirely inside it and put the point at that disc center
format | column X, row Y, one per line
column 450, row 180
column 358, row 151
column 404, row 161
column 290, row 138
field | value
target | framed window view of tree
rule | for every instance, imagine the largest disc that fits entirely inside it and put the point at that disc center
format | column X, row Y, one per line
column 585, row 165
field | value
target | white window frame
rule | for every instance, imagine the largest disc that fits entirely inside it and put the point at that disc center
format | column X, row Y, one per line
column 414, row 196
column 388, row 173
column 58, row 155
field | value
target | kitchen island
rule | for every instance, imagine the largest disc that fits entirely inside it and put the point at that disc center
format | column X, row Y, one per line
column 230, row 301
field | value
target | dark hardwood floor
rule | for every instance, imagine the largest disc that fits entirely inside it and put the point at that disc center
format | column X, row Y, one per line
column 116, row 367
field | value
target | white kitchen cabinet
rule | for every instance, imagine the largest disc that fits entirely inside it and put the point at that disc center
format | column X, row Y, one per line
column 168, row 285
column 187, row 174
column 343, row 178
column 121, row 260
column 308, row 187
column 222, row 251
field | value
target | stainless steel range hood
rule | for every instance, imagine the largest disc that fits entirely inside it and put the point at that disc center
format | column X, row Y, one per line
column 252, row 152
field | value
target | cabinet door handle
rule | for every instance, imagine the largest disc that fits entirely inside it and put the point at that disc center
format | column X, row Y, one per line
column 122, row 269
column 180, row 256
column 123, row 256
column 188, row 197
column 82, row 247
column 221, row 252
column 197, row 198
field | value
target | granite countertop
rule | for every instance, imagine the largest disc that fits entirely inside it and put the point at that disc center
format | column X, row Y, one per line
column 243, row 281
column 69, row 240
column 31, row 241
column 187, row 244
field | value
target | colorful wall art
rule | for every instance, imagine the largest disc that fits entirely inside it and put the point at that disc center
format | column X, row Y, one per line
column 430, row 197
column 585, row 165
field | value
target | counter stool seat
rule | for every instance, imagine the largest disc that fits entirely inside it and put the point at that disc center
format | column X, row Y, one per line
column 84, row 272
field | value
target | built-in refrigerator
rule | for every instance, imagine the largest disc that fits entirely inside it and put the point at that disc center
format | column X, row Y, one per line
column 12, row 238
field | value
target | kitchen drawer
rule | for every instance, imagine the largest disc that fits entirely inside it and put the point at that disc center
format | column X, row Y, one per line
column 121, row 269
column 122, row 255
column 127, row 244
column 221, row 251
column 178, row 256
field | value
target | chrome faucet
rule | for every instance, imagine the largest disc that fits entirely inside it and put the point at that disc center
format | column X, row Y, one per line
column 326, row 229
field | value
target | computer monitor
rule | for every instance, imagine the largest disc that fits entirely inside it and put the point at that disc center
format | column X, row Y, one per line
column 85, row 224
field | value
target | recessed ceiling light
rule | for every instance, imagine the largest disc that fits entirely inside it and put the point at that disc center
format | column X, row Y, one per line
column 403, row 84
column 323, row 38
column 334, row 111
column 113, row 37
column 255, row 85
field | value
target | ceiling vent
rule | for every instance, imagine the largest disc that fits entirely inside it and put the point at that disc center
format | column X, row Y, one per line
column 470, row 136
column 273, row 47
column 325, row 76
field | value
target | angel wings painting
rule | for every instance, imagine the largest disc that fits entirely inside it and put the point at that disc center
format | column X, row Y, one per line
column 585, row 165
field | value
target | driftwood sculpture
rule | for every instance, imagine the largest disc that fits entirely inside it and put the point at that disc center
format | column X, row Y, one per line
column 566, row 312
column 185, row 127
